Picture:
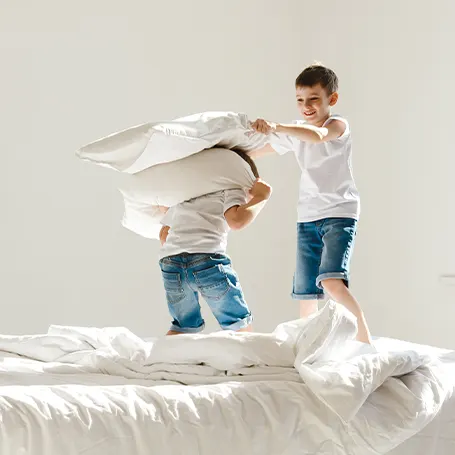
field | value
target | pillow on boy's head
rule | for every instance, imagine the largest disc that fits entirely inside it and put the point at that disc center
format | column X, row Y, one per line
column 171, row 183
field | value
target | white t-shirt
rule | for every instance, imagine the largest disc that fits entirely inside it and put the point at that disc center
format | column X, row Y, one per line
column 327, row 187
column 199, row 225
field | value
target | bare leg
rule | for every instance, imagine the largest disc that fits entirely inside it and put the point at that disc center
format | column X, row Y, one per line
column 173, row 332
column 341, row 294
column 307, row 308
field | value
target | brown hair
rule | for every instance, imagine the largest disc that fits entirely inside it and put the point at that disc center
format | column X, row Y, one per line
column 249, row 160
column 318, row 74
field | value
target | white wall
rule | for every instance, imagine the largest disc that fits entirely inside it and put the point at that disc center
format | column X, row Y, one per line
column 72, row 72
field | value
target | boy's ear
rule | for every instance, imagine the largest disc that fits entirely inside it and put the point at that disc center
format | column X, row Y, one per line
column 333, row 99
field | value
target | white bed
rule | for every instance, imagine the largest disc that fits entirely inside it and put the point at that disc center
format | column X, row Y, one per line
column 304, row 389
column 438, row 437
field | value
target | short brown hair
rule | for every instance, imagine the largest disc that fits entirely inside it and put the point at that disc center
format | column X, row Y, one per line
column 318, row 74
column 249, row 160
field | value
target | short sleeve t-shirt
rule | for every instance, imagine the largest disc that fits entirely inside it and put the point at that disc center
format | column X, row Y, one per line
column 199, row 225
column 327, row 188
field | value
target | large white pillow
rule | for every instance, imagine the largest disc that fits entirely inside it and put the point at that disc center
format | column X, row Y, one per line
column 171, row 183
column 149, row 144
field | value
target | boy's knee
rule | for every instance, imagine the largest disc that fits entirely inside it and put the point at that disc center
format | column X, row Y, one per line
column 333, row 284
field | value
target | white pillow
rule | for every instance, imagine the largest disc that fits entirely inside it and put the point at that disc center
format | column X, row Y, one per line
column 149, row 144
column 142, row 219
column 171, row 183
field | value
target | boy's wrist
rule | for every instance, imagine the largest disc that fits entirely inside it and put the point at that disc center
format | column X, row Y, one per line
column 279, row 128
column 259, row 198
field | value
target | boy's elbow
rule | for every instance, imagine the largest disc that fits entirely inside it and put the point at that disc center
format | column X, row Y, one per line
column 238, row 220
column 237, row 224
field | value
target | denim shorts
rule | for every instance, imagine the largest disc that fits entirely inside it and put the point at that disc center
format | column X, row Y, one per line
column 186, row 275
column 324, row 250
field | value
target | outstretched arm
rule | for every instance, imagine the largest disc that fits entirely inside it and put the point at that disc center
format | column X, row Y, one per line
column 240, row 216
column 304, row 132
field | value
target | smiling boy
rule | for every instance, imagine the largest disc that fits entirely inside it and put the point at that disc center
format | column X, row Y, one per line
column 329, row 204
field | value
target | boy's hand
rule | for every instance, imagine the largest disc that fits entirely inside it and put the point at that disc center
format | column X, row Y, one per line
column 263, row 126
column 163, row 234
column 261, row 190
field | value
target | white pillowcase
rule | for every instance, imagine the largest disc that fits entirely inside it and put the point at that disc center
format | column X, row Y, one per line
column 172, row 183
column 150, row 144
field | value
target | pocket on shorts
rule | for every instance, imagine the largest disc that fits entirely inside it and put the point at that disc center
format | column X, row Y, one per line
column 173, row 286
column 212, row 283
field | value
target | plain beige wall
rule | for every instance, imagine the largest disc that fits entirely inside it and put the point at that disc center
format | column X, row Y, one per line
column 72, row 72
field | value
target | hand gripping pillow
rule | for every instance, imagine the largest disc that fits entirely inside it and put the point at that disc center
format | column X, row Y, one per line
column 149, row 144
column 171, row 183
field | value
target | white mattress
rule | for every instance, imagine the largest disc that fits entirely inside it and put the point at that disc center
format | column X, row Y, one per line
column 304, row 389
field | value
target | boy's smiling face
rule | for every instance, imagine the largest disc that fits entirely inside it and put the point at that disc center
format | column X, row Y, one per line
column 314, row 103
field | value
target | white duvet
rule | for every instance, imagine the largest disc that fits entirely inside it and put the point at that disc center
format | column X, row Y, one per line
column 307, row 388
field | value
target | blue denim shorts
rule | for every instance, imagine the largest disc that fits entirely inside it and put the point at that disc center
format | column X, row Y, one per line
column 324, row 250
column 186, row 275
